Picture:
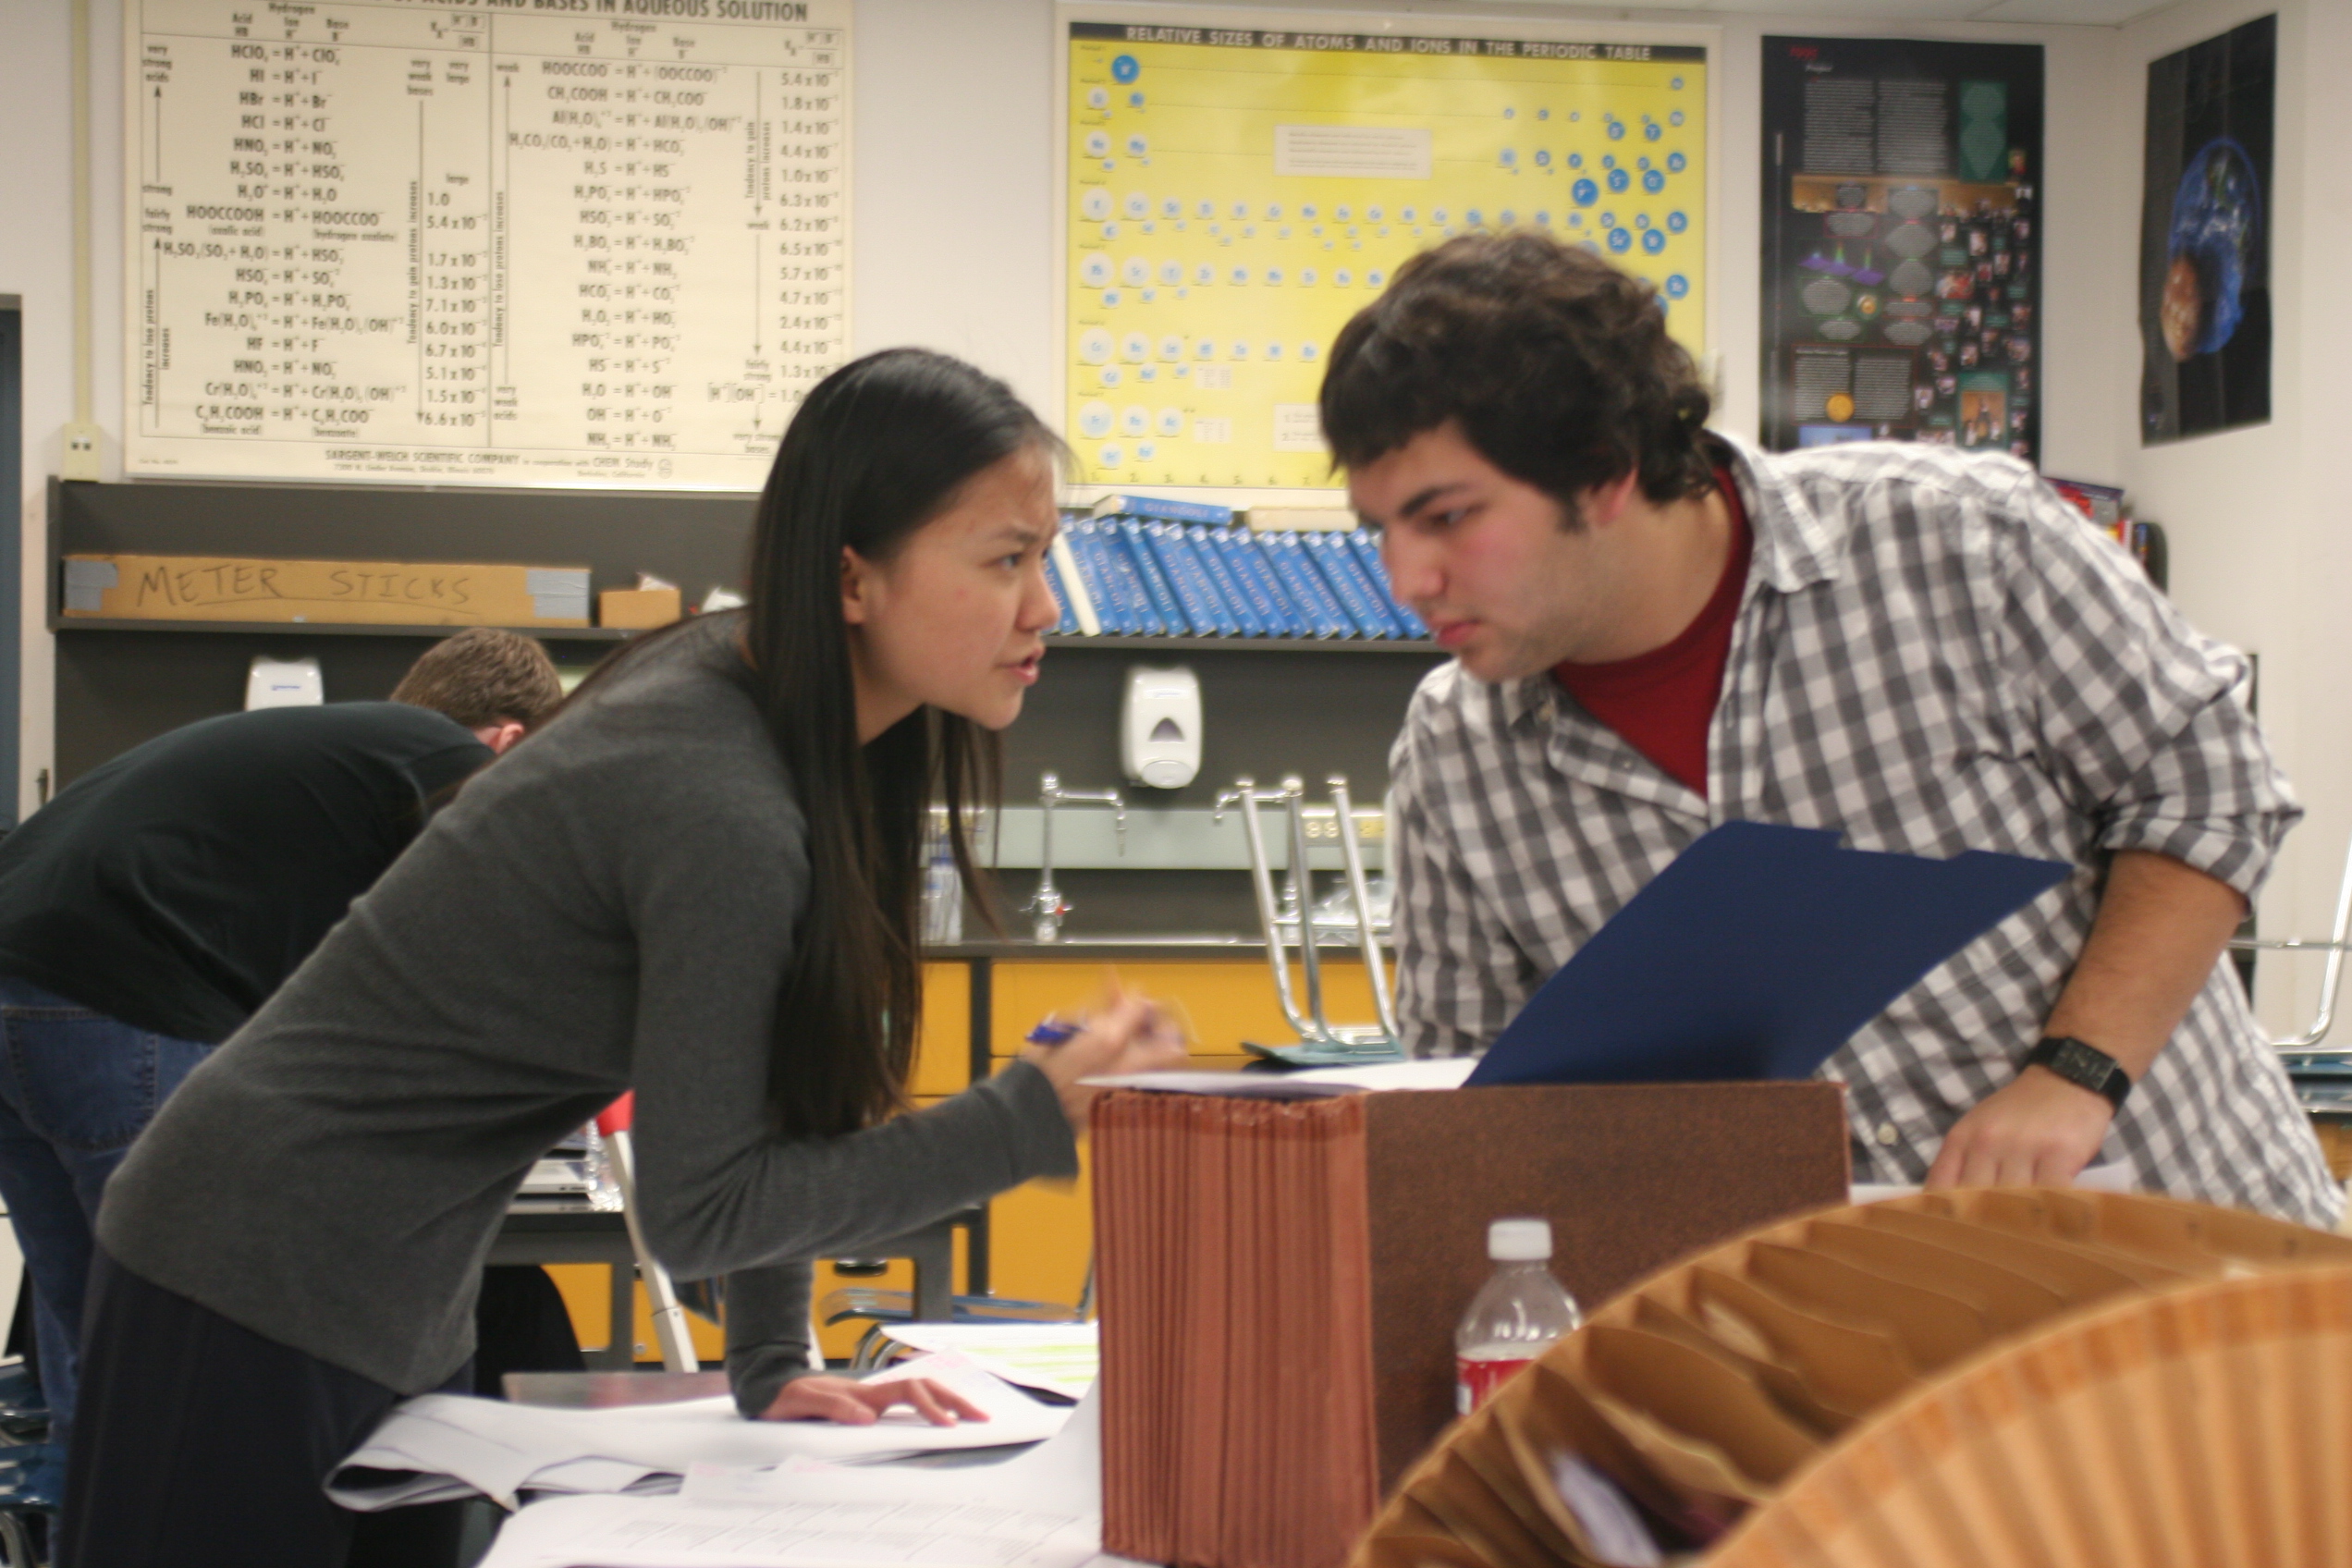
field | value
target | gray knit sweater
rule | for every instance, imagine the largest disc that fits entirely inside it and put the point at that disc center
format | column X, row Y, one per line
column 614, row 905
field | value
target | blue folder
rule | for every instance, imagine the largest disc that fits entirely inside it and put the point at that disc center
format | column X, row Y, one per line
column 1757, row 953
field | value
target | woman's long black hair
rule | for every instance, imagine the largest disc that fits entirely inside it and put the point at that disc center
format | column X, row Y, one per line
column 880, row 448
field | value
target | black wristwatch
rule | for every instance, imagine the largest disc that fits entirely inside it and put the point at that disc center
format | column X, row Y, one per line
column 2084, row 1064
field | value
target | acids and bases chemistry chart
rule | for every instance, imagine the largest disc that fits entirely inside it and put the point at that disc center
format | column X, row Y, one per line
column 1235, row 195
column 504, row 243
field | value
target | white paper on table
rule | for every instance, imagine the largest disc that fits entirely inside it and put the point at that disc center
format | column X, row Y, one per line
column 1062, row 1358
column 1319, row 1082
column 678, row 1532
column 452, row 1445
column 1424, row 1073
column 2113, row 1177
column 1041, row 1509
column 1062, row 1474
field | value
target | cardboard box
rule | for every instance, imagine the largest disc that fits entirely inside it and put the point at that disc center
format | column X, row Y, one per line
column 347, row 593
column 642, row 609
column 1280, row 1281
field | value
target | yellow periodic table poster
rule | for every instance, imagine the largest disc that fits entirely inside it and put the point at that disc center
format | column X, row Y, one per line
column 1235, row 195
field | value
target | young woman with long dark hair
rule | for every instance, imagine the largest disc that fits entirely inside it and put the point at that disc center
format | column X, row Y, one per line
column 700, row 881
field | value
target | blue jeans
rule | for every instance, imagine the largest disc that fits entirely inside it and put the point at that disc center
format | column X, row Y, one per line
column 76, row 1087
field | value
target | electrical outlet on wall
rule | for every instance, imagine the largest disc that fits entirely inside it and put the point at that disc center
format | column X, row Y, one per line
column 81, row 459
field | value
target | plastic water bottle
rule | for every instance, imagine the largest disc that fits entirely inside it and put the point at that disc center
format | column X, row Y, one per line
column 1517, row 1315
column 604, row 1184
column 942, row 889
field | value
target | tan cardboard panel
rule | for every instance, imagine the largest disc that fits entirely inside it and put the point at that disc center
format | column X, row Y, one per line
column 2010, row 1300
column 1783, row 1383
column 1934, row 1328
column 1487, row 1451
column 1549, row 1414
column 1695, row 1393
column 1421, row 1552
column 1472, row 1513
column 1712, row 1491
column 355, row 592
column 1852, row 1368
column 1536, row 1463
column 2069, row 1220
column 2075, row 1274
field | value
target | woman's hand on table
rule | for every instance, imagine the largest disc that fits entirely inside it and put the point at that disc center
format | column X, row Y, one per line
column 850, row 1402
column 1131, row 1035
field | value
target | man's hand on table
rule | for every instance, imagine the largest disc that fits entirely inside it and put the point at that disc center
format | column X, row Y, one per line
column 2038, row 1131
column 853, row 1404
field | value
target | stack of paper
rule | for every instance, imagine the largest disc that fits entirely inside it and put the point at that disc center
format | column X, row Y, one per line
column 1054, row 1358
column 1041, row 1509
column 440, row 1446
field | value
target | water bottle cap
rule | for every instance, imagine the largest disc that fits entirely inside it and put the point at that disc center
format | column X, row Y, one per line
column 1519, row 1241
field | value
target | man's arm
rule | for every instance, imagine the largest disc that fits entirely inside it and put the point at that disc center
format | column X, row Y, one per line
column 2145, row 727
column 2161, row 928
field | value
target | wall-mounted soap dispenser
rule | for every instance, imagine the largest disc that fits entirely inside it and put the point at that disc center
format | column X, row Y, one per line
column 1159, row 727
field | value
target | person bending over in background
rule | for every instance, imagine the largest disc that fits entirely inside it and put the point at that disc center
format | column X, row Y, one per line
column 159, row 899
column 700, row 881
column 1657, row 630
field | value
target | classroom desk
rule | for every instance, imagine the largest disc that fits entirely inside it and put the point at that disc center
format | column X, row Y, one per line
column 540, row 1231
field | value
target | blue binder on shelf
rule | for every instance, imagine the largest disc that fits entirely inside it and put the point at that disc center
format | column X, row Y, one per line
column 1369, row 554
column 1127, row 534
column 1757, row 953
column 1256, row 574
column 1336, row 559
column 1220, row 573
column 1067, row 625
column 1118, row 567
column 1094, row 571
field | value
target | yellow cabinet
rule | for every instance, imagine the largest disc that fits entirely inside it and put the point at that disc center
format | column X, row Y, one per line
column 1040, row 1236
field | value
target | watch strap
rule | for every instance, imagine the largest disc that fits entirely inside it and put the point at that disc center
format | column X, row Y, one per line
column 2082, row 1063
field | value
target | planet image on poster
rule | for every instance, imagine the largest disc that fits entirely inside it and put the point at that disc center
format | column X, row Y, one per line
column 2217, row 217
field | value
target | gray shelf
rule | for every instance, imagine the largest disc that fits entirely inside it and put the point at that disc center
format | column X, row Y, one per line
column 325, row 629
column 1421, row 645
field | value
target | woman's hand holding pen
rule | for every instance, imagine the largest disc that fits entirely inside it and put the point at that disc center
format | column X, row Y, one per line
column 1132, row 1036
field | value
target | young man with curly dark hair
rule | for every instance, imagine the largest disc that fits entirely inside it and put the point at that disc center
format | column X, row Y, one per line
column 1657, row 630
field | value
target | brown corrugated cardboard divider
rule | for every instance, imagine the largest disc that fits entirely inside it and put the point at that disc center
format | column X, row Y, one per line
column 2137, row 1352
column 2203, row 1424
column 1281, row 1281
column 1231, row 1248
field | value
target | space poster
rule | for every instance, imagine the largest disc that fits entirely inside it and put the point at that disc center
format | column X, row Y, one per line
column 2204, row 235
column 1902, row 275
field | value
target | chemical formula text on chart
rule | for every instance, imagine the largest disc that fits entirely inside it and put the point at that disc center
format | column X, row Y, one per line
column 499, row 243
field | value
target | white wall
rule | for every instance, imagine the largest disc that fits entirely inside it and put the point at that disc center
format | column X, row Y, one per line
column 36, row 262
column 2257, row 517
column 954, row 210
column 955, row 120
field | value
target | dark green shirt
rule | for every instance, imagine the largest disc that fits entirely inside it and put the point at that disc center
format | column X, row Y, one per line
column 176, row 886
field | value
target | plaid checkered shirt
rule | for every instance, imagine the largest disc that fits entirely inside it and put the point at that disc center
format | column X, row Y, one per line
column 1933, row 653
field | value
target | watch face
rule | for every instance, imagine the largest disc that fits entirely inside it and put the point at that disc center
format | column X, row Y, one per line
column 2079, row 1063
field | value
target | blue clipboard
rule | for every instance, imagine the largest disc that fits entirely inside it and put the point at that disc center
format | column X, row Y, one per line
column 1758, row 952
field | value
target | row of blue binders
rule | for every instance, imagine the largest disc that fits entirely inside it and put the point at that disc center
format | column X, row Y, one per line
column 1148, row 577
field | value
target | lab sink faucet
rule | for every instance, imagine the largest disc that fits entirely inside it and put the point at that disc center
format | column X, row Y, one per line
column 1044, row 905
